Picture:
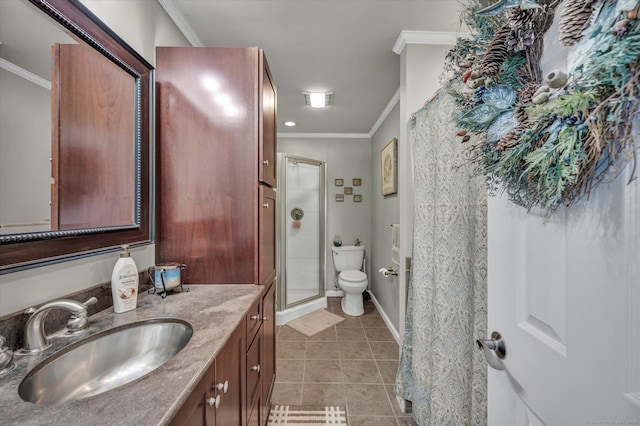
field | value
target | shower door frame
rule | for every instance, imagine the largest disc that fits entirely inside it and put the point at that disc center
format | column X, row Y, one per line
column 281, row 294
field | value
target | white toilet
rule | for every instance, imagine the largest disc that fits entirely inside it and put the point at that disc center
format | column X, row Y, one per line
column 348, row 262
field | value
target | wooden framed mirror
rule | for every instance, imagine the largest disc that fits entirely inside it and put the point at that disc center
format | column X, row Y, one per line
column 75, row 139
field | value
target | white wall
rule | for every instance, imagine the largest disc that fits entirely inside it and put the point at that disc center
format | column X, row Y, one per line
column 347, row 159
column 385, row 210
column 25, row 144
column 420, row 68
column 143, row 25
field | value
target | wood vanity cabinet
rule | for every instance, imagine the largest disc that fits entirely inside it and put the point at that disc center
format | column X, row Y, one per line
column 216, row 199
column 216, row 154
column 268, row 349
column 196, row 410
column 218, row 399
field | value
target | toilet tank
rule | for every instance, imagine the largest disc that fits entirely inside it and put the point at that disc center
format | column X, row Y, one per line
column 347, row 257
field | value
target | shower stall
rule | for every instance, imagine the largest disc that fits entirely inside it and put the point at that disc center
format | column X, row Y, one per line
column 301, row 237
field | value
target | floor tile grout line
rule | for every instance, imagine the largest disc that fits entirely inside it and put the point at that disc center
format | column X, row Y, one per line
column 382, row 379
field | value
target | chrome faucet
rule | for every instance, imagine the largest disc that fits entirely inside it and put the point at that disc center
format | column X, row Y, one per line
column 35, row 338
column 6, row 357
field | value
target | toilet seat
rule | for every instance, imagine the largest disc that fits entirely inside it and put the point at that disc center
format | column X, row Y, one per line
column 352, row 277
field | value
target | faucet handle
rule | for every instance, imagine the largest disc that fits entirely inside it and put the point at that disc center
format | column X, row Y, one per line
column 91, row 301
column 79, row 323
column 6, row 357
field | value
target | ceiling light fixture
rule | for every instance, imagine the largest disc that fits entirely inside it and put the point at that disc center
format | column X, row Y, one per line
column 318, row 99
column 289, row 123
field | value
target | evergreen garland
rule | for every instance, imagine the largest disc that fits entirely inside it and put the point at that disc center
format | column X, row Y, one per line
column 566, row 140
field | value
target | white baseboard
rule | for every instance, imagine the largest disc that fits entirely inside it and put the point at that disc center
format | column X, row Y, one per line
column 334, row 293
column 283, row 317
column 386, row 319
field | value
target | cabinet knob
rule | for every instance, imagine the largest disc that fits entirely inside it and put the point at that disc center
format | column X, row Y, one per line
column 214, row 402
column 255, row 318
column 265, row 162
column 255, row 368
column 224, row 387
column 265, row 205
column 265, row 318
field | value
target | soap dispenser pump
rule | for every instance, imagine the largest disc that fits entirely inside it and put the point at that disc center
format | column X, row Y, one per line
column 124, row 283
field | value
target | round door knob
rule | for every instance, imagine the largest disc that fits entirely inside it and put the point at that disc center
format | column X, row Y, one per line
column 224, row 387
column 265, row 205
column 214, row 402
column 265, row 318
column 255, row 368
column 265, row 162
column 255, row 317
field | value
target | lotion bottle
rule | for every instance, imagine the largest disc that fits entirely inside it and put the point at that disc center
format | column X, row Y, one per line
column 124, row 283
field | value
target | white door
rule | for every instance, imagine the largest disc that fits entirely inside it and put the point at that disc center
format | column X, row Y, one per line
column 565, row 296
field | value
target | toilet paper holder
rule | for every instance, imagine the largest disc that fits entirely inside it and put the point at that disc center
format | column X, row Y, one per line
column 388, row 272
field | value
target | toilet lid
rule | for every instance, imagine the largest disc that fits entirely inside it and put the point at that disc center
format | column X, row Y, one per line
column 353, row 276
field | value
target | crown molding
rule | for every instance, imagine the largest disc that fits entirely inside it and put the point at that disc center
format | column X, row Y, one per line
column 27, row 75
column 383, row 116
column 446, row 38
column 178, row 18
column 385, row 112
column 324, row 135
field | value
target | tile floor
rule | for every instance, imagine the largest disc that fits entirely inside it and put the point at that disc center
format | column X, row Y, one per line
column 353, row 363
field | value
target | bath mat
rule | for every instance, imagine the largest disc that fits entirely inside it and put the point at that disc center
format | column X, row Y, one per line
column 292, row 415
column 315, row 322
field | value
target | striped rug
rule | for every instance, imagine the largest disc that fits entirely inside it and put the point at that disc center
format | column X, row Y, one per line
column 304, row 415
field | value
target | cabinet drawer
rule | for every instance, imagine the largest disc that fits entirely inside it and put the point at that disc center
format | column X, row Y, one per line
column 267, row 234
column 254, row 320
column 254, row 371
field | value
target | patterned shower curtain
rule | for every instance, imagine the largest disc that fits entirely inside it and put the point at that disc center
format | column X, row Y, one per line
column 441, row 371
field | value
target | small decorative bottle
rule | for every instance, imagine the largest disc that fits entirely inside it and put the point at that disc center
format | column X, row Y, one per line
column 337, row 241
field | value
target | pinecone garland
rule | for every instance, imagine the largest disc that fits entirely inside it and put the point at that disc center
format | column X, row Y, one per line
column 522, row 33
column 575, row 18
column 496, row 52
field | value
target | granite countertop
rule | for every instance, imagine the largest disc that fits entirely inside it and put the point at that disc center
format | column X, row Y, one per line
column 214, row 311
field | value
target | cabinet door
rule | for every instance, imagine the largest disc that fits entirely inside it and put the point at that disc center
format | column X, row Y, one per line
column 87, row 203
column 229, row 379
column 268, row 358
column 267, row 234
column 254, row 374
column 267, row 157
column 206, row 163
column 196, row 410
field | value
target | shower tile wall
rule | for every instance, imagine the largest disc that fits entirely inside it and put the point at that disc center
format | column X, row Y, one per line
column 303, row 243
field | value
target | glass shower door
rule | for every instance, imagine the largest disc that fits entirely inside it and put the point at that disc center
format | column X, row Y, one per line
column 302, row 231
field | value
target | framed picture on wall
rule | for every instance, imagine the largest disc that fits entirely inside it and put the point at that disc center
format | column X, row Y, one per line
column 357, row 182
column 389, row 168
column 339, row 182
column 340, row 198
column 348, row 190
column 357, row 198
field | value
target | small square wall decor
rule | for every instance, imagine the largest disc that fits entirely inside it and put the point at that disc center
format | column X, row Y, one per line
column 357, row 198
column 348, row 190
column 357, row 182
column 340, row 198
column 339, row 182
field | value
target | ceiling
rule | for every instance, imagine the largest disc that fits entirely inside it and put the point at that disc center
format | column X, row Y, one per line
column 340, row 46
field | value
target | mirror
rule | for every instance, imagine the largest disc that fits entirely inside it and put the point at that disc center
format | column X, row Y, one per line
column 74, row 135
